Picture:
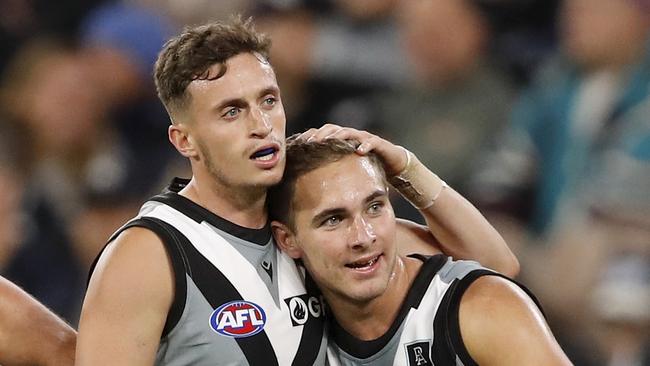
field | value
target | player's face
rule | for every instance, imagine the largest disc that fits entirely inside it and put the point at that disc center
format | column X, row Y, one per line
column 237, row 123
column 345, row 229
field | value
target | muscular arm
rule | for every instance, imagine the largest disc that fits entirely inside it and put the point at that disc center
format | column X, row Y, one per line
column 455, row 225
column 463, row 232
column 501, row 325
column 126, row 305
column 30, row 334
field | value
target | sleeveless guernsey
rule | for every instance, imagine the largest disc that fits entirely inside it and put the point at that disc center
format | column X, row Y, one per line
column 426, row 331
column 238, row 299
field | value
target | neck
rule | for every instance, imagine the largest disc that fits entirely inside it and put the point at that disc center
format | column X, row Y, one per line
column 244, row 206
column 371, row 319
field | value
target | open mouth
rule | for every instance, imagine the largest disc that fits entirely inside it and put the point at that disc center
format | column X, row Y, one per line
column 363, row 264
column 264, row 154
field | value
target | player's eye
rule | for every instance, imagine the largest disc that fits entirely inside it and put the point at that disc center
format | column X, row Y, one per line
column 231, row 113
column 331, row 221
column 270, row 101
column 375, row 207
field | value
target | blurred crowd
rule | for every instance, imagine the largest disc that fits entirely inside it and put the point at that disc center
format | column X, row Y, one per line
column 537, row 110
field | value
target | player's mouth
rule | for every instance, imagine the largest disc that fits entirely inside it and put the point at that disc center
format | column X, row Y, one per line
column 266, row 157
column 365, row 264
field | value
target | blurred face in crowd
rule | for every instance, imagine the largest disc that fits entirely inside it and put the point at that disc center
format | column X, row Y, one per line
column 235, row 124
column 443, row 38
column 61, row 103
column 367, row 9
column 344, row 229
column 601, row 33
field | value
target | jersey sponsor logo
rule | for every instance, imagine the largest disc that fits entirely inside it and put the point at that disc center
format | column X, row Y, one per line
column 238, row 319
column 302, row 307
column 419, row 353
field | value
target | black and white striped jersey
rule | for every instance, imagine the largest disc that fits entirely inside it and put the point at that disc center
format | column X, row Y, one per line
column 238, row 299
column 426, row 331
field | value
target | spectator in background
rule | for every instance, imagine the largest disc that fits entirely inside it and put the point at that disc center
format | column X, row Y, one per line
column 457, row 100
column 50, row 91
column 600, row 78
column 523, row 34
column 330, row 53
column 609, row 232
column 23, row 20
column 122, row 40
column 572, row 172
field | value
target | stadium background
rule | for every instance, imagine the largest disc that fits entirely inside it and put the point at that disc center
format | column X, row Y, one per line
column 537, row 110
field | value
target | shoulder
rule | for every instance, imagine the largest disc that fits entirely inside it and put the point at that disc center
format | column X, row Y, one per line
column 129, row 296
column 135, row 262
column 501, row 325
column 488, row 291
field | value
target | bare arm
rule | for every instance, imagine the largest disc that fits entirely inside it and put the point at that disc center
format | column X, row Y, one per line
column 501, row 325
column 457, row 227
column 415, row 238
column 126, row 305
column 464, row 233
column 30, row 334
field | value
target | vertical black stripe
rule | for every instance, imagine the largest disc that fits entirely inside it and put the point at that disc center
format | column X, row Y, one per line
column 312, row 334
column 216, row 288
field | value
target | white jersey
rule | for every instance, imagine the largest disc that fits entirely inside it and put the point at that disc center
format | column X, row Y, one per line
column 238, row 299
column 426, row 330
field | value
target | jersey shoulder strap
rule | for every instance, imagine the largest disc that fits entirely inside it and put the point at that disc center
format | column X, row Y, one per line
column 175, row 244
column 448, row 347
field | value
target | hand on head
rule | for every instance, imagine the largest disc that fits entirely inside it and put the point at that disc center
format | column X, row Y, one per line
column 393, row 156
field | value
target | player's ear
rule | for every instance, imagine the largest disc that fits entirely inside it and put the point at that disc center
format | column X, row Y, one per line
column 181, row 139
column 285, row 239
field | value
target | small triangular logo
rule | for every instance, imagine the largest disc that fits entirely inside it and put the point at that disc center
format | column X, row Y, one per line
column 268, row 268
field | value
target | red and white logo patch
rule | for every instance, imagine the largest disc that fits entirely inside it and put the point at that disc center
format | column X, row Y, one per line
column 238, row 319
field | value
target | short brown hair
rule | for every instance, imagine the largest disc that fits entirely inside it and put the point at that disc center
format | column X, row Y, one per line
column 303, row 157
column 188, row 56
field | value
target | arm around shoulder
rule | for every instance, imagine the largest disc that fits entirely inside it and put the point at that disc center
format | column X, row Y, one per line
column 460, row 229
column 126, row 305
column 464, row 233
column 501, row 325
column 30, row 334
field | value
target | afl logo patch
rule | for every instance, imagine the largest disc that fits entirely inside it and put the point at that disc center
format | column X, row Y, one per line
column 238, row 319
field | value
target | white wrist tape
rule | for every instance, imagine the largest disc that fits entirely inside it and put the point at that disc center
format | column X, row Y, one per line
column 417, row 183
